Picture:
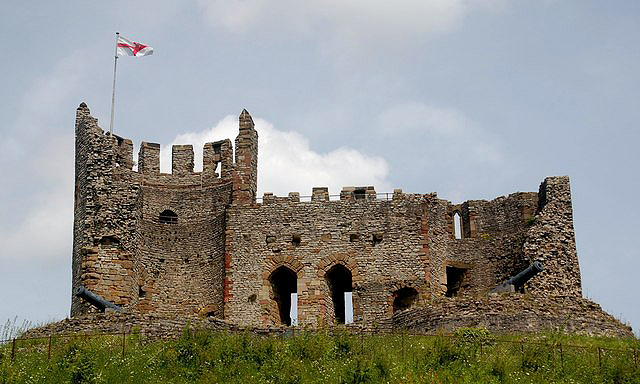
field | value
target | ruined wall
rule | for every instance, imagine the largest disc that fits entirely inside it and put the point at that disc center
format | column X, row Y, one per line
column 551, row 240
column 489, row 250
column 408, row 241
column 378, row 241
column 511, row 314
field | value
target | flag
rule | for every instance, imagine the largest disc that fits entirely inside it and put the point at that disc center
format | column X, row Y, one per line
column 126, row 47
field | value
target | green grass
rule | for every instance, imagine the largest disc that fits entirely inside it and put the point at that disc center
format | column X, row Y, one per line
column 468, row 356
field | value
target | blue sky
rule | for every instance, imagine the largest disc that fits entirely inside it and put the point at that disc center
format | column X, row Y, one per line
column 472, row 99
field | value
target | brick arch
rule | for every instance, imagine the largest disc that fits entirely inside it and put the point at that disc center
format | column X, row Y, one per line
column 270, row 310
column 328, row 262
column 324, row 266
column 395, row 287
column 403, row 284
column 277, row 261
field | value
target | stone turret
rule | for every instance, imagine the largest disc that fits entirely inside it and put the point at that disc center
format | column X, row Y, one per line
column 245, row 177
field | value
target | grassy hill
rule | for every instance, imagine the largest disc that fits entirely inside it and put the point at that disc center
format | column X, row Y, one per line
column 468, row 356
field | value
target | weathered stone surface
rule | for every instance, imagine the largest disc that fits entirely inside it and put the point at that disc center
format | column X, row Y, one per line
column 185, row 244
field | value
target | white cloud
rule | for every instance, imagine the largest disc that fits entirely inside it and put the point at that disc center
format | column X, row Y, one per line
column 345, row 24
column 286, row 162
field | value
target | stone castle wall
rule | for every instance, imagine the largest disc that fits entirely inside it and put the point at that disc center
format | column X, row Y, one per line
column 405, row 242
column 191, row 243
column 377, row 241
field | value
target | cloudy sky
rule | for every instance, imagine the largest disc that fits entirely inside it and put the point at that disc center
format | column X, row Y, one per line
column 472, row 99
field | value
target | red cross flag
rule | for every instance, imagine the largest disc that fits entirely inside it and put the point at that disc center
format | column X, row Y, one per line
column 126, row 47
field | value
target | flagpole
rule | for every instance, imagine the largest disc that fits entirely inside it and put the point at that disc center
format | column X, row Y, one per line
column 113, row 90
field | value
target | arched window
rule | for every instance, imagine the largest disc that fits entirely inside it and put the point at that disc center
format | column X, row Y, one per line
column 457, row 225
column 168, row 217
column 404, row 298
column 340, row 282
column 284, row 283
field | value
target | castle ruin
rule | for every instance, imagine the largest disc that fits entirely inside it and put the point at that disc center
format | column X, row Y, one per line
column 188, row 243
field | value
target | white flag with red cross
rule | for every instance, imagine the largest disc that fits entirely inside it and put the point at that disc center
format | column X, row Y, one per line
column 126, row 47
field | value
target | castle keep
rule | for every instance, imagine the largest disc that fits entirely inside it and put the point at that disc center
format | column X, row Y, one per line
column 202, row 244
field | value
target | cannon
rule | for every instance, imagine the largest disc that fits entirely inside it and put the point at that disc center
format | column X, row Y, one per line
column 517, row 282
column 95, row 300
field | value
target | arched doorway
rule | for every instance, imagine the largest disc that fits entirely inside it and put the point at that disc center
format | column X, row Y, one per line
column 339, row 281
column 283, row 283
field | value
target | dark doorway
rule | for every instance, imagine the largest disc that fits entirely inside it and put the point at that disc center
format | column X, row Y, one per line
column 455, row 280
column 339, row 281
column 283, row 283
column 404, row 298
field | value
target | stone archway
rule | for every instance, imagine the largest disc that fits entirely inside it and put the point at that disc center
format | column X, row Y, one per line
column 284, row 282
column 340, row 281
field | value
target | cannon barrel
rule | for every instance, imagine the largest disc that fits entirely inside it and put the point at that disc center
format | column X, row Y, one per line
column 524, row 276
column 517, row 281
column 95, row 300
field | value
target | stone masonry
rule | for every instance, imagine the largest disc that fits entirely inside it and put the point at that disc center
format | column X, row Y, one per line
column 202, row 244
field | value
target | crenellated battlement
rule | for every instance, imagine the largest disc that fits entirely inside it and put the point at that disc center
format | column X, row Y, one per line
column 348, row 194
column 218, row 164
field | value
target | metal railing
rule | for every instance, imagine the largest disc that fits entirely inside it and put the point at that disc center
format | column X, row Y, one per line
column 382, row 196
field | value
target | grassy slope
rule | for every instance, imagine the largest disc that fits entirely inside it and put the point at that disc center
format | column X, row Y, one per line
column 469, row 356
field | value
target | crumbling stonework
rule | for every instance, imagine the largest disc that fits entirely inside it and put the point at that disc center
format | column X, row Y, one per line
column 201, row 244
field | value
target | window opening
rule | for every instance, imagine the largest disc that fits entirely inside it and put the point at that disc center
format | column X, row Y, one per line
column 109, row 241
column 340, row 282
column 457, row 224
column 354, row 237
column 296, row 239
column 348, row 307
column 141, row 292
column 283, row 283
column 377, row 238
column 455, row 280
column 293, row 311
column 168, row 217
column 359, row 193
column 404, row 298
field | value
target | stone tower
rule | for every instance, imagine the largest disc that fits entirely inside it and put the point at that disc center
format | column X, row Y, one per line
column 153, row 242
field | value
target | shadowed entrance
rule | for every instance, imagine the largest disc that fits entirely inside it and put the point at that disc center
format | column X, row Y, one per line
column 404, row 298
column 283, row 283
column 339, row 281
